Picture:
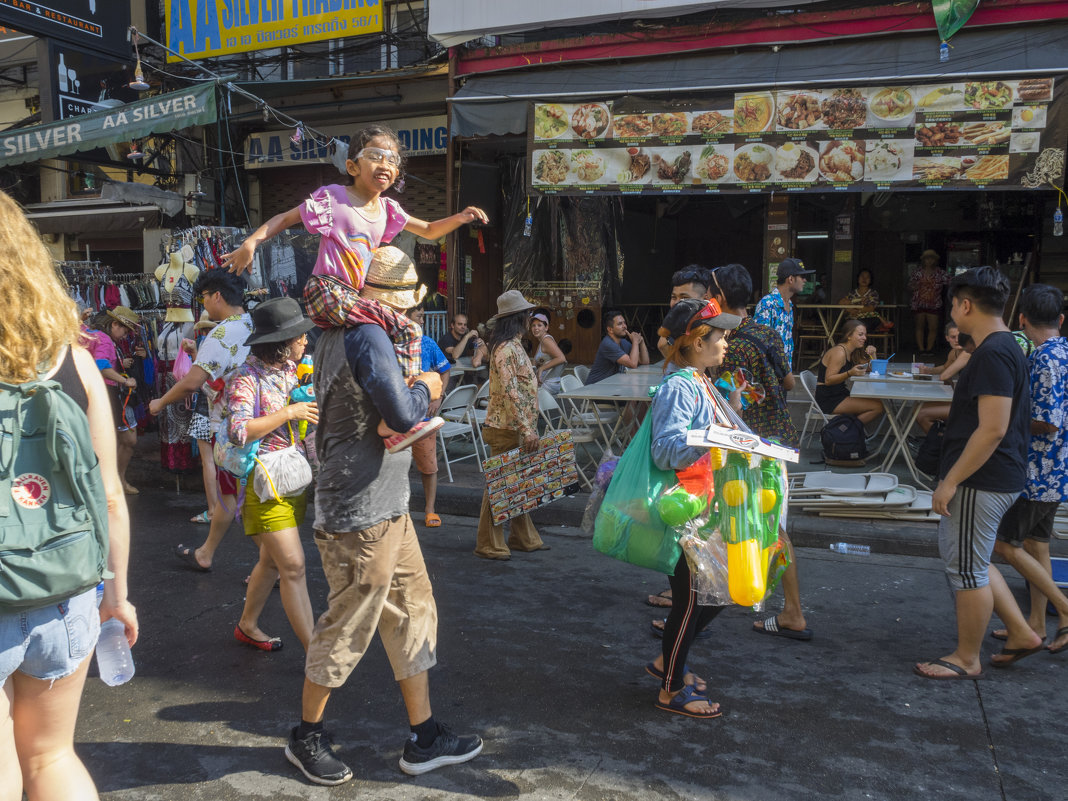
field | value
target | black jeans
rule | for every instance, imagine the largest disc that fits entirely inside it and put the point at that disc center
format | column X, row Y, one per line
column 685, row 619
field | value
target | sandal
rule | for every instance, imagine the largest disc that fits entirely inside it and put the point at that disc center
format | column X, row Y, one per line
column 686, row 670
column 272, row 644
column 431, row 520
column 661, row 600
column 189, row 555
column 687, row 695
column 203, row 517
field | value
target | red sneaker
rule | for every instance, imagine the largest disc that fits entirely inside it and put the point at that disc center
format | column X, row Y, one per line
column 424, row 428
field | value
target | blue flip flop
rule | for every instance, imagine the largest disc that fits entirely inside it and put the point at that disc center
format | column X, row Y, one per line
column 687, row 695
column 659, row 674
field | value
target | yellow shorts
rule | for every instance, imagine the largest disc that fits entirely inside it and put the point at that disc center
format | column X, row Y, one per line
column 260, row 517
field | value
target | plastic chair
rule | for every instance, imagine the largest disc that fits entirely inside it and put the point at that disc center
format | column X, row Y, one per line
column 586, row 414
column 581, row 372
column 455, row 410
column 814, row 414
column 553, row 416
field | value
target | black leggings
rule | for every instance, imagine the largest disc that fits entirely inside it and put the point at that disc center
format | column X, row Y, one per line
column 685, row 619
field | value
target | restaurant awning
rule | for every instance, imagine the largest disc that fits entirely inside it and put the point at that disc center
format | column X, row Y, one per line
column 170, row 112
column 85, row 216
column 496, row 104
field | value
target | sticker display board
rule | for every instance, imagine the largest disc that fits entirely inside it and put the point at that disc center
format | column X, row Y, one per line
column 1003, row 134
column 518, row 483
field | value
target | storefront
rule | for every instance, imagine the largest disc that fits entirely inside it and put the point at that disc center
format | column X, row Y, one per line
column 873, row 152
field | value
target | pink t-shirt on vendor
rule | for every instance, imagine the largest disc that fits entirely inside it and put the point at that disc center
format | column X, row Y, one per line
column 349, row 238
column 102, row 347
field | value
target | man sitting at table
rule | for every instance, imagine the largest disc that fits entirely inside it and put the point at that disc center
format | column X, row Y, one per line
column 462, row 342
column 612, row 357
column 776, row 309
column 984, row 467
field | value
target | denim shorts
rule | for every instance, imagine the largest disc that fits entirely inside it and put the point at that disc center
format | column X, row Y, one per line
column 51, row 642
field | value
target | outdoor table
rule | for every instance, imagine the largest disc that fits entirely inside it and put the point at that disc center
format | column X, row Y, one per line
column 618, row 390
column 831, row 317
column 463, row 367
column 908, row 395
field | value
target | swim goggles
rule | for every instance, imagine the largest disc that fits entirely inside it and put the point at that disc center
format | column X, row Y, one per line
column 377, row 155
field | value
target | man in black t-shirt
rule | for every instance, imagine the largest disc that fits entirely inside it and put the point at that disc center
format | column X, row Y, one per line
column 984, row 469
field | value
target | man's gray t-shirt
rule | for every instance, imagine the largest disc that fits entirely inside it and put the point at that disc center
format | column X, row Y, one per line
column 606, row 362
column 358, row 381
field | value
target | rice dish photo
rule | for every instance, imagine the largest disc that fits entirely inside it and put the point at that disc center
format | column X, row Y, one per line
column 713, row 163
column 587, row 166
column 551, row 166
column 753, row 164
column 883, row 159
column 794, row 162
column 842, row 162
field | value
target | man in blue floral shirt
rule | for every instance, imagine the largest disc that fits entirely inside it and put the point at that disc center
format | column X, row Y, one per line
column 776, row 309
column 1024, row 533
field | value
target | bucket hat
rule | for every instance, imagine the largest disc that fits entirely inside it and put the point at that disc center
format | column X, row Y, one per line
column 125, row 316
column 277, row 320
column 392, row 279
column 511, row 302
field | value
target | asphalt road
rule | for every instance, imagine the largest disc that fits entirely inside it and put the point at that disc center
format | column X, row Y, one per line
column 543, row 655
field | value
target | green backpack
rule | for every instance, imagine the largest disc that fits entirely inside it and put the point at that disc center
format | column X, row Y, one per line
column 53, row 510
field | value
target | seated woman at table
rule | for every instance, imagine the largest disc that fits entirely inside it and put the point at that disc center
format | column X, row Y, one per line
column 547, row 354
column 847, row 359
column 865, row 297
column 958, row 357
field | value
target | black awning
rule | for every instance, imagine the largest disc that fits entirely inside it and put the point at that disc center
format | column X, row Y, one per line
column 82, row 218
column 497, row 103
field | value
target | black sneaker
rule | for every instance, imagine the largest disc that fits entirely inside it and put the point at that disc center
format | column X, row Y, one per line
column 447, row 749
column 315, row 758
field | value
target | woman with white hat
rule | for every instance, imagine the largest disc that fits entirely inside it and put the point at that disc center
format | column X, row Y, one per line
column 511, row 419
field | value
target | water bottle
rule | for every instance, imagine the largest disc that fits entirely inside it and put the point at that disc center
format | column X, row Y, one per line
column 943, row 51
column 1058, row 222
column 113, row 657
column 528, row 225
column 850, row 548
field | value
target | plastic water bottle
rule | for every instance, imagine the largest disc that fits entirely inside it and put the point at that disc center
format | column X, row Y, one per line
column 943, row 51
column 1058, row 222
column 113, row 657
column 850, row 548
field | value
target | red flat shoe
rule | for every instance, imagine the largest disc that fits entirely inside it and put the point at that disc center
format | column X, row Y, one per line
column 273, row 644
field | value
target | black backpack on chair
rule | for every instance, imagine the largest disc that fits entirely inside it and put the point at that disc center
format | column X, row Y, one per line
column 844, row 439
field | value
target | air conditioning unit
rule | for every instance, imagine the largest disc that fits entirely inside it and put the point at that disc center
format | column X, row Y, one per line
column 199, row 196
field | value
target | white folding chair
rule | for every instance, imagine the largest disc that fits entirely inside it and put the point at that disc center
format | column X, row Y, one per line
column 582, row 372
column 458, row 424
column 553, row 416
column 586, row 414
column 814, row 414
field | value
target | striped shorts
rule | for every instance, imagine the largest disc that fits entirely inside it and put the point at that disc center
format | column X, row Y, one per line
column 966, row 537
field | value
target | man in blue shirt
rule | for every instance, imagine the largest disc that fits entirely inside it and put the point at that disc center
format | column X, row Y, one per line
column 425, row 450
column 1024, row 533
column 612, row 357
column 776, row 309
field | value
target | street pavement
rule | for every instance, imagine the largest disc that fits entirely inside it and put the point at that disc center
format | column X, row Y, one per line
column 544, row 656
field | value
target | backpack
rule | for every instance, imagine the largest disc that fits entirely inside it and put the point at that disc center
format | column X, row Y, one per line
column 844, row 439
column 53, row 510
column 929, row 456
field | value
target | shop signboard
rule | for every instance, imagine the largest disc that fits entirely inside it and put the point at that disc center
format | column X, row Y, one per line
column 989, row 134
column 170, row 112
column 208, row 28
column 419, row 136
column 80, row 82
column 100, row 25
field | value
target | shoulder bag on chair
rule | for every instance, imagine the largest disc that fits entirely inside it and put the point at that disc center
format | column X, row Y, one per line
column 281, row 473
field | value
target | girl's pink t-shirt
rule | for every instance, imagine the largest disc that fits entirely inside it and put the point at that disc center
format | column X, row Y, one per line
column 349, row 239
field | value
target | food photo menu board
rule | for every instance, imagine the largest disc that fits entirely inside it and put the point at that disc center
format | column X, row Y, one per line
column 518, row 482
column 960, row 135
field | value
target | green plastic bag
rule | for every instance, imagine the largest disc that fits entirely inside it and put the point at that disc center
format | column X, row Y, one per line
column 628, row 526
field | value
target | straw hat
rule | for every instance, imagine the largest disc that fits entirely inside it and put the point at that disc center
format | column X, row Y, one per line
column 277, row 320
column 511, row 302
column 929, row 254
column 125, row 316
column 392, row 279
column 205, row 323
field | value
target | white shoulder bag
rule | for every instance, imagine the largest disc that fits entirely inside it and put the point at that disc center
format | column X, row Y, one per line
column 281, row 473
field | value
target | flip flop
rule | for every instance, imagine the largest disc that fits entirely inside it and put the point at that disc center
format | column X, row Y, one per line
column 273, row 644
column 662, row 600
column 201, row 518
column 960, row 673
column 1060, row 633
column 771, row 626
column 704, row 634
column 431, row 520
column 1016, row 654
column 687, row 695
column 1002, row 635
column 686, row 671
column 189, row 556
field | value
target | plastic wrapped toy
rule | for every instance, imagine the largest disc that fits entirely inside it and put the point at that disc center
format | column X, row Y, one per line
column 603, row 477
column 305, row 391
column 730, row 380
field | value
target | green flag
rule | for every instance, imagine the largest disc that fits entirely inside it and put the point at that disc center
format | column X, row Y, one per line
column 950, row 15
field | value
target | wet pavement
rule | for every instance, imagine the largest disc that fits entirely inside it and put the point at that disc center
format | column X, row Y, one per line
column 544, row 656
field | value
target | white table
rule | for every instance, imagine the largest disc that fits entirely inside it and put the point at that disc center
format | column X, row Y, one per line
column 618, row 390
column 908, row 396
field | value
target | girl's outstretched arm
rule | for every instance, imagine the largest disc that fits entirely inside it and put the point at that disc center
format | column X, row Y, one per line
column 240, row 260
